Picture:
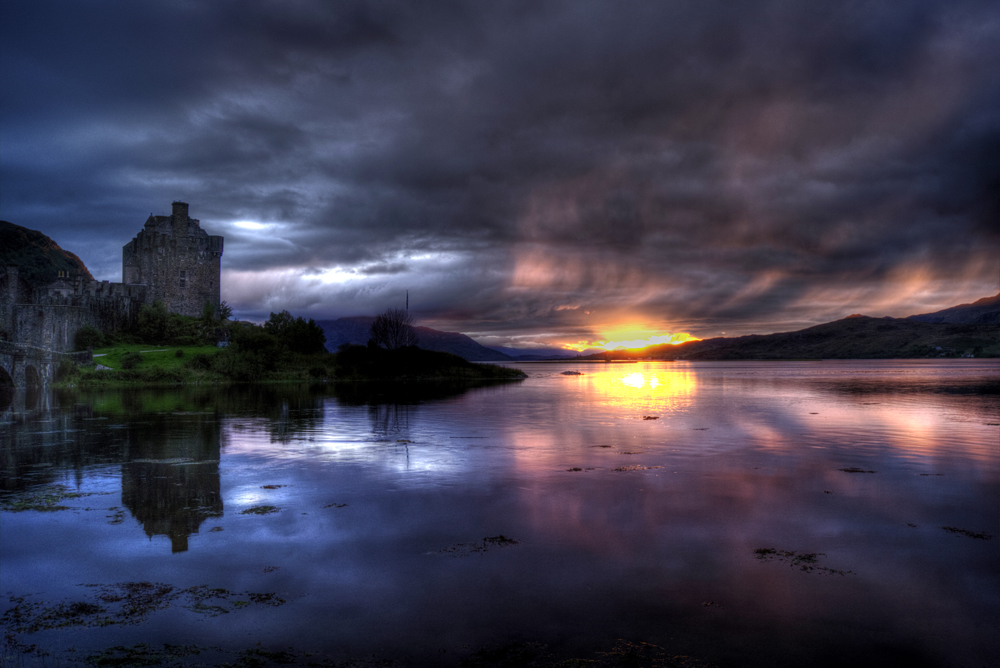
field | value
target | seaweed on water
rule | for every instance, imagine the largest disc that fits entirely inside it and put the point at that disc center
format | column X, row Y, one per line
column 980, row 535
column 142, row 654
column 44, row 499
column 124, row 604
column 486, row 544
column 260, row 510
column 805, row 561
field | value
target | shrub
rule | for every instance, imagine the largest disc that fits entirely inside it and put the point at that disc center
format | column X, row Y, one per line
column 155, row 325
column 88, row 336
column 151, row 326
column 317, row 372
column 131, row 360
column 179, row 353
column 200, row 362
column 251, row 355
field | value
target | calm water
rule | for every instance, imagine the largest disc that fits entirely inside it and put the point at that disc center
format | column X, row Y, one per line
column 423, row 528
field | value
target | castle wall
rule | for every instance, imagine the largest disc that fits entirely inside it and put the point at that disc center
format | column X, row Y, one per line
column 50, row 317
column 171, row 260
column 179, row 262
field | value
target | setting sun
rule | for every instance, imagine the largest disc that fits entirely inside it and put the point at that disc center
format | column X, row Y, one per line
column 633, row 339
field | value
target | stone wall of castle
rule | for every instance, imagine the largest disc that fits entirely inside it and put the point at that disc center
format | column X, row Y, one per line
column 179, row 262
column 49, row 317
column 171, row 260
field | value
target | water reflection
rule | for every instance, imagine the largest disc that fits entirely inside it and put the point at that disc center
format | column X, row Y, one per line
column 170, row 474
column 649, row 387
column 628, row 527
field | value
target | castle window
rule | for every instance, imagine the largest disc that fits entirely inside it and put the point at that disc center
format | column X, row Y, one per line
column 183, row 279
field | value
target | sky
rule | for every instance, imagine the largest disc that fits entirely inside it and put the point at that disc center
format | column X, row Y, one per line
column 534, row 173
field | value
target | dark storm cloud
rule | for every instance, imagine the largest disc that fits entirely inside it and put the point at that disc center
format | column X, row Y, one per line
column 541, row 167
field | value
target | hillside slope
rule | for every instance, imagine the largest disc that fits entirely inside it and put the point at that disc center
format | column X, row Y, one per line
column 985, row 311
column 38, row 258
column 354, row 330
column 856, row 337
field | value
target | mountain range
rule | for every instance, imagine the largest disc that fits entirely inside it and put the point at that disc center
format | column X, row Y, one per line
column 985, row 311
column 960, row 331
column 354, row 330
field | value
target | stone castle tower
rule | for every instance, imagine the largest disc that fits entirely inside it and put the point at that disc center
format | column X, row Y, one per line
column 177, row 261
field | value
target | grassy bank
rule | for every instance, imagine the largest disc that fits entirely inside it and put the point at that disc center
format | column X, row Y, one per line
column 170, row 358
column 143, row 364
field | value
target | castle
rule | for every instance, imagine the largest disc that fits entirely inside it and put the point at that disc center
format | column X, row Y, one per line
column 177, row 261
column 171, row 260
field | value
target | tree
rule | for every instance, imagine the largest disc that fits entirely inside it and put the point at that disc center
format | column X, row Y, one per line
column 88, row 336
column 251, row 355
column 298, row 335
column 211, row 314
column 152, row 324
column 393, row 329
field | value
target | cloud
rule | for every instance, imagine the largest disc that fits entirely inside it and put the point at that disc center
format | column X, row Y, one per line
column 705, row 166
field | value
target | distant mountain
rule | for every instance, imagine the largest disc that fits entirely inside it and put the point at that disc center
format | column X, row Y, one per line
column 355, row 330
column 985, row 311
column 38, row 259
column 527, row 354
column 856, row 337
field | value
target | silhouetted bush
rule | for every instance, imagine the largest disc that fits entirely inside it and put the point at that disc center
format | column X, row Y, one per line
column 298, row 335
column 412, row 363
column 251, row 355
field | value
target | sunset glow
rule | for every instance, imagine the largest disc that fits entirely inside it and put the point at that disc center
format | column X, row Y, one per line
column 631, row 340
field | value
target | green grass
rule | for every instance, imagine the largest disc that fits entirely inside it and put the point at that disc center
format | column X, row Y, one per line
column 153, row 357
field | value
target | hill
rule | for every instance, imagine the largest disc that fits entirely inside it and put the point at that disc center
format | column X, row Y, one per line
column 530, row 354
column 855, row 337
column 985, row 311
column 38, row 258
column 354, row 331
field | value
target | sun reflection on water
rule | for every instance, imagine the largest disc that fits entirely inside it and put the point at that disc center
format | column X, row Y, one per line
column 651, row 388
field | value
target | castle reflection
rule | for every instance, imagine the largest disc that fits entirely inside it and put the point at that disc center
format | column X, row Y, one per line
column 170, row 475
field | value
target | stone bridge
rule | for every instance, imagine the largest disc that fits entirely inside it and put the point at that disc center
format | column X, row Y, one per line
column 23, row 366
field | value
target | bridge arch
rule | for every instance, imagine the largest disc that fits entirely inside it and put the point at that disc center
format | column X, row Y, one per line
column 5, row 379
column 32, row 379
column 28, row 366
